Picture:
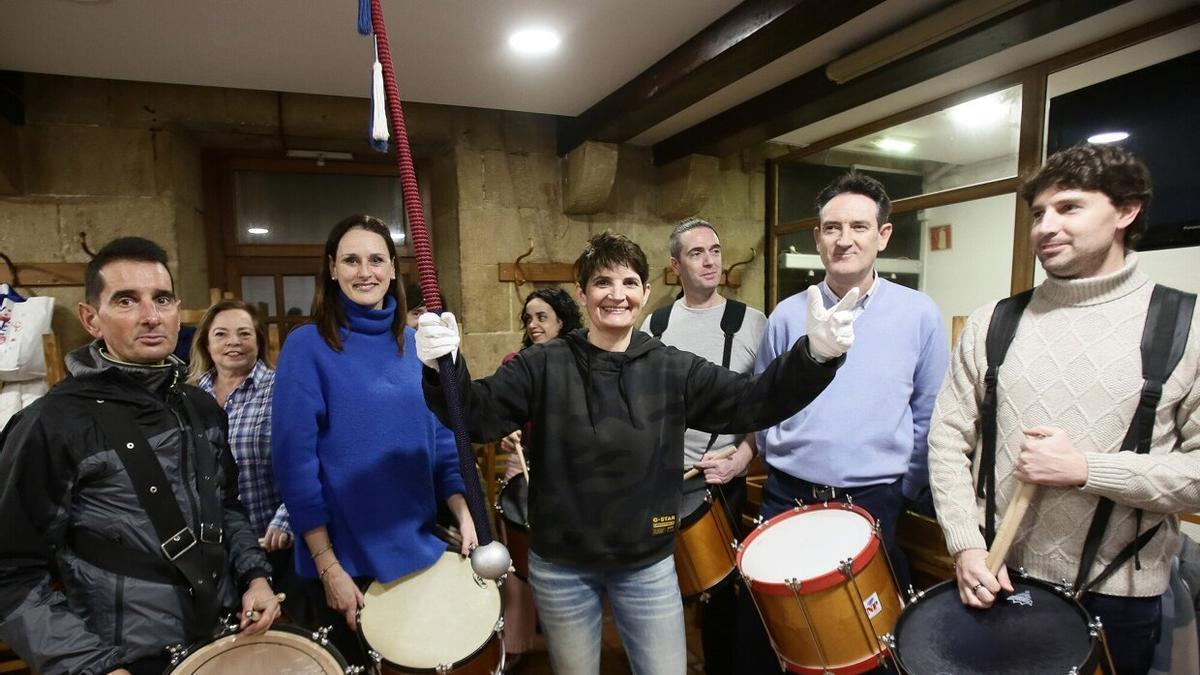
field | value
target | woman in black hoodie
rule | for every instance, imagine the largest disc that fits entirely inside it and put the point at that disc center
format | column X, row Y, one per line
column 609, row 407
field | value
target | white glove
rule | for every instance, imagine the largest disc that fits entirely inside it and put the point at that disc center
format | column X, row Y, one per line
column 437, row 336
column 830, row 331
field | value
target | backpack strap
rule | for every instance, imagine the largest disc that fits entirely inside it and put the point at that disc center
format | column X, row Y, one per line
column 731, row 323
column 1001, row 330
column 1164, row 338
column 659, row 320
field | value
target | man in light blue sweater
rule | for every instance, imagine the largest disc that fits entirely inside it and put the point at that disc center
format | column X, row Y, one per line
column 864, row 437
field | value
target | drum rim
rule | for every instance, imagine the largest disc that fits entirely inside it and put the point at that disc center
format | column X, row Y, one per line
column 698, row 514
column 495, row 635
column 492, row 636
column 327, row 645
column 1089, row 664
column 821, row 582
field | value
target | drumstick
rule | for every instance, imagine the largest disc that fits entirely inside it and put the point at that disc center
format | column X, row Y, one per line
column 1008, row 527
column 521, row 457
column 253, row 613
column 727, row 452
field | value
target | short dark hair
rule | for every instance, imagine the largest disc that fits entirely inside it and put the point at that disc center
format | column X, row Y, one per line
column 609, row 249
column 564, row 308
column 1098, row 167
column 686, row 225
column 135, row 249
column 328, row 312
column 857, row 183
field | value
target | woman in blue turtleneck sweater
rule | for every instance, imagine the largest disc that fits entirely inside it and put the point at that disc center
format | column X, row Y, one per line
column 361, row 462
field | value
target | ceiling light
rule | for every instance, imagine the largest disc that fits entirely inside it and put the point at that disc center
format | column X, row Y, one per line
column 397, row 237
column 980, row 112
column 533, row 41
column 1109, row 137
column 888, row 144
column 258, row 230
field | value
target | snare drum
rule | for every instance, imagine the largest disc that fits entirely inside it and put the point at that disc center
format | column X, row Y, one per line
column 282, row 649
column 513, row 507
column 705, row 546
column 440, row 619
column 1036, row 629
column 822, row 584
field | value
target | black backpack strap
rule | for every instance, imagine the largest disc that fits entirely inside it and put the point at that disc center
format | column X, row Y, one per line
column 1164, row 338
column 731, row 323
column 659, row 320
column 179, row 543
column 1001, row 330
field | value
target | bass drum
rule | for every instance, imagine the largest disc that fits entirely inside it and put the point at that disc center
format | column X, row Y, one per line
column 440, row 619
column 1036, row 629
column 282, row 649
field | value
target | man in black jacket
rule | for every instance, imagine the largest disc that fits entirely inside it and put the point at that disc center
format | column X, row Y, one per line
column 119, row 483
column 608, row 408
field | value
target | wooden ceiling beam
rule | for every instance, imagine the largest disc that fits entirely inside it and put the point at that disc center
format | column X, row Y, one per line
column 812, row 96
column 746, row 38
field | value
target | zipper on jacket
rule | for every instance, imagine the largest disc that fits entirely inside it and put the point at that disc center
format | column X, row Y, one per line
column 119, row 614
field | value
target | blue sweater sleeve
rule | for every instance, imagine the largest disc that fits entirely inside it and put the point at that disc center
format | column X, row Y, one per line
column 927, row 381
column 297, row 413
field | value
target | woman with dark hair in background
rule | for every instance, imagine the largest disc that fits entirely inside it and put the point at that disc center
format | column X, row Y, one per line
column 229, row 360
column 546, row 314
column 360, row 460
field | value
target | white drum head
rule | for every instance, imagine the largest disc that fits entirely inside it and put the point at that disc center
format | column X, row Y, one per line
column 274, row 651
column 805, row 545
column 436, row 616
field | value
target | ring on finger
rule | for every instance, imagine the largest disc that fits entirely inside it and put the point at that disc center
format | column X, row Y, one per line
column 976, row 587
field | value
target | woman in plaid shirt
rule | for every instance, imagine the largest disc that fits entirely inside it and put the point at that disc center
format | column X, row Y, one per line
column 228, row 360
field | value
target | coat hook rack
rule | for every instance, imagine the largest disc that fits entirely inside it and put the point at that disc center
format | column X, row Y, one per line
column 518, row 272
column 84, row 245
column 12, row 270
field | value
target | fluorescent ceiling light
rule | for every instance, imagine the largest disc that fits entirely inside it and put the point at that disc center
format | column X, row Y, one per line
column 888, row 144
column 258, row 230
column 1109, row 137
column 981, row 112
column 534, row 41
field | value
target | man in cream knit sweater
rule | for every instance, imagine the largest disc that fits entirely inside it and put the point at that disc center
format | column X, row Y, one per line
column 1066, row 395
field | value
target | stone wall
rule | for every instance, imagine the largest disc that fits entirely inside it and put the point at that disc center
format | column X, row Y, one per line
column 111, row 158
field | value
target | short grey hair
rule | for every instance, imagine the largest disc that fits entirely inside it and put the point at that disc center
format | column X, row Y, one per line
column 686, row 225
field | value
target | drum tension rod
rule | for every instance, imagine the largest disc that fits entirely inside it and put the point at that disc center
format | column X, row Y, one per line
column 794, row 586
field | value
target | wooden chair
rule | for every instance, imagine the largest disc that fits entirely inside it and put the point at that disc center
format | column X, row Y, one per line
column 56, row 368
column 10, row 663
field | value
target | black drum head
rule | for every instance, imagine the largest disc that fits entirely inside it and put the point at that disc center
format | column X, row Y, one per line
column 514, row 500
column 1033, row 630
column 692, row 507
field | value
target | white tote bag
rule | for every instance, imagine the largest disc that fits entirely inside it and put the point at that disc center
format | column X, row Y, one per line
column 22, row 325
